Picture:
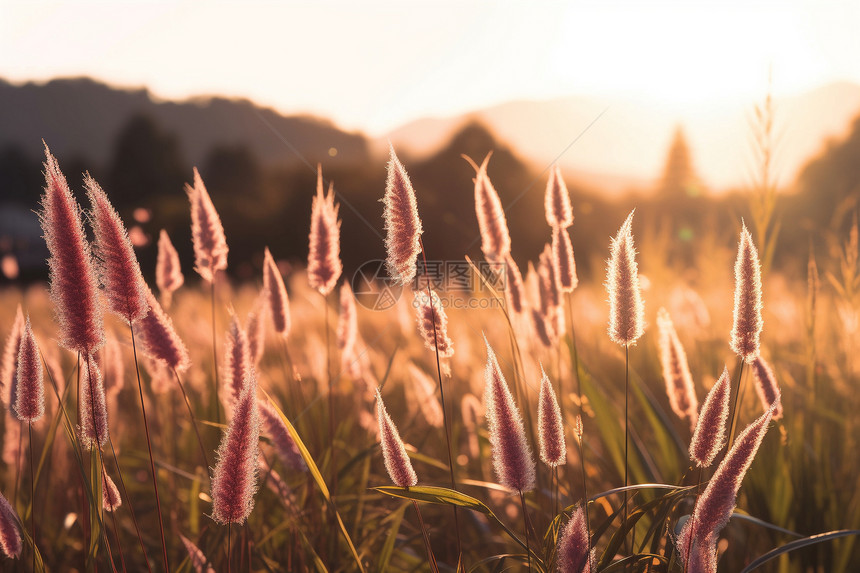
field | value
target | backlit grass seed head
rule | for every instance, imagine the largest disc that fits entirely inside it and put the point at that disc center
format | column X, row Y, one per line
column 553, row 451
column 550, row 287
column 748, row 323
column 429, row 312
column 255, row 327
column 766, row 386
column 277, row 431
column 324, row 266
column 557, row 200
column 424, row 389
column 710, row 432
column 111, row 500
column 397, row 462
column 544, row 328
column 93, row 422
column 626, row 311
column 495, row 238
column 573, row 553
column 111, row 364
column 196, row 557
column 9, row 373
column 676, row 371
column 168, row 270
column 30, row 389
column 512, row 457
column 234, row 482
column 347, row 323
column 117, row 265
column 74, row 287
column 237, row 361
column 717, row 503
column 279, row 302
column 159, row 339
column 10, row 535
column 514, row 287
column 402, row 224
column 207, row 233
column 564, row 264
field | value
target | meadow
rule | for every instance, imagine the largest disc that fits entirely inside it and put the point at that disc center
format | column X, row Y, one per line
column 263, row 446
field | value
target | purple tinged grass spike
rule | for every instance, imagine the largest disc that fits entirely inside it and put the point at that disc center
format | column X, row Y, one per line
column 93, row 423
column 10, row 535
column 402, row 224
column 158, row 338
column 425, row 313
column 111, row 500
column 281, row 439
column 74, row 287
column 347, row 323
column 29, row 389
column 168, row 270
column 626, row 312
column 573, row 551
column 748, row 323
column 279, row 302
column 710, row 432
column 514, row 287
column 207, row 233
column 118, row 268
column 255, row 327
column 495, row 238
column 715, row 506
column 557, row 201
column 324, row 265
column 550, row 428
column 545, row 330
column 237, row 360
column 564, row 265
column 512, row 457
column 676, row 371
column 766, row 386
column 9, row 373
column 234, row 482
column 550, row 287
column 196, row 557
column 393, row 452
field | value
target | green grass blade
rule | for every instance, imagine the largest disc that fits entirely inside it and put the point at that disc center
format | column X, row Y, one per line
column 797, row 544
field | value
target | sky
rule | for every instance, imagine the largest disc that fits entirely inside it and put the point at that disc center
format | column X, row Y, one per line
column 373, row 66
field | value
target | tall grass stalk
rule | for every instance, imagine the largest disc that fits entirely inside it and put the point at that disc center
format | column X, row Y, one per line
column 733, row 420
column 627, row 433
column 191, row 414
column 433, row 565
column 526, row 529
column 215, row 403
column 33, row 492
column 444, row 406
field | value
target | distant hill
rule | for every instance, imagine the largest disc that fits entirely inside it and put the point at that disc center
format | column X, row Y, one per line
column 630, row 140
column 81, row 117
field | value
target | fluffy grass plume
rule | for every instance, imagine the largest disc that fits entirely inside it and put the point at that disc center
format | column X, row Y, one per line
column 29, row 389
column 550, row 287
column 168, row 270
column 514, row 287
column 237, row 360
column 563, row 261
column 279, row 302
column 495, row 238
column 255, row 327
column 573, row 551
column 676, row 371
column 93, row 423
column 234, row 481
column 207, row 233
column 118, row 268
column 545, row 331
column 10, row 535
column 196, row 557
column 274, row 428
column 512, row 457
column 626, row 311
column 710, row 432
column 159, row 339
column 324, row 266
column 715, row 506
column 550, row 427
column 111, row 500
column 393, row 452
column 424, row 390
column 557, row 207
column 766, row 386
column 747, row 324
column 402, row 224
column 9, row 370
column 347, row 323
column 74, row 287
column 430, row 314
